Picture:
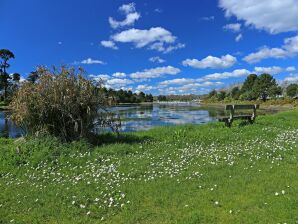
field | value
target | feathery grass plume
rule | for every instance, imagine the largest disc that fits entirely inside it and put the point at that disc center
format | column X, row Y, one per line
column 61, row 103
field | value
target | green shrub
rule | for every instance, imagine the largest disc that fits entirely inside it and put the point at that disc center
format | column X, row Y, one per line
column 61, row 103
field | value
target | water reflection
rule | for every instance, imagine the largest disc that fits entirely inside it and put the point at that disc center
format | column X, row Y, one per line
column 7, row 128
column 143, row 117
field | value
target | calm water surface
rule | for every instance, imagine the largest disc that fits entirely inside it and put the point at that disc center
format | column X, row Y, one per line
column 141, row 117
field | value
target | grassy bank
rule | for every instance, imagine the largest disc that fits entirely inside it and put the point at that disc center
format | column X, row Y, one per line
column 183, row 174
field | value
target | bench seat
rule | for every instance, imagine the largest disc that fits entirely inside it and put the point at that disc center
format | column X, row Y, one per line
column 232, row 108
column 242, row 116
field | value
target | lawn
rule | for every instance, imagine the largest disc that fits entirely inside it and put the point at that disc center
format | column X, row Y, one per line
column 182, row 174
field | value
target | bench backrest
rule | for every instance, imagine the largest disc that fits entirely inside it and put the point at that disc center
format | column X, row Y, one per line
column 242, row 107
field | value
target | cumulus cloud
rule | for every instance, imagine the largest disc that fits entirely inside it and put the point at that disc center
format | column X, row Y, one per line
column 269, row 70
column 131, row 16
column 144, row 88
column 225, row 75
column 291, row 69
column 272, row 16
column 100, row 77
column 274, row 70
column 181, row 81
column 157, row 59
column 119, row 75
column 141, row 38
column 191, row 88
column 234, row 27
column 155, row 38
column 128, row 8
column 90, row 61
column 166, row 49
column 109, row 44
column 117, row 82
column 265, row 53
column 155, row 72
column 289, row 49
column 225, row 61
column 293, row 78
column 197, row 85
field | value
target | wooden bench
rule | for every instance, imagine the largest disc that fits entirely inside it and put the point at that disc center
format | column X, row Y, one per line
column 232, row 108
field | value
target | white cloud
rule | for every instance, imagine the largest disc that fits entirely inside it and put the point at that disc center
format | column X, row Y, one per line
column 129, row 20
column 155, row 72
column 156, row 38
column 269, row 70
column 292, row 78
column 100, row 77
column 208, row 18
column 239, row 37
column 119, row 75
column 131, row 16
column 225, row 75
column 127, row 8
column 166, row 49
column 289, row 49
column 234, row 27
column 118, row 82
column 197, row 85
column 225, row 61
column 157, row 59
column 109, row 44
column 191, row 88
column 273, row 70
column 273, row 16
column 144, row 88
column 181, row 81
column 291, row 69
column 142, row 38
column 90, row 61
column 291, row 45
column 264, row 53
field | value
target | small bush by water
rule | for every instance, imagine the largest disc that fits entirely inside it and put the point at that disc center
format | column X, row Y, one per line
column 61, row 103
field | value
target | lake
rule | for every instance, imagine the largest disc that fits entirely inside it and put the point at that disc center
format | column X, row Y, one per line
column 136, row 117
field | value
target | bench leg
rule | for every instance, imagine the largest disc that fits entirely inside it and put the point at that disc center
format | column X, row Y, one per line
column 228, row 123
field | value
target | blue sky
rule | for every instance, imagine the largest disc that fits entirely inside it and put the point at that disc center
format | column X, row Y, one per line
column 162, row 47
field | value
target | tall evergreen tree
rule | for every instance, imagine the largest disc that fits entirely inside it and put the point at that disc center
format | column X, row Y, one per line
column 5, row 56
column 266, row 86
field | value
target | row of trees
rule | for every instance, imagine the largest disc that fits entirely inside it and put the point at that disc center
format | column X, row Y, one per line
column 188, row 97
column 127, row 96
column 254, row 87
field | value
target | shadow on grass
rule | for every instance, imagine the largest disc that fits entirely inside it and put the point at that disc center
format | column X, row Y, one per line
column 112, row 138
column 245, row 123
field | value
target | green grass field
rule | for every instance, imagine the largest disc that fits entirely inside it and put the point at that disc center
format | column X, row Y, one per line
column 182, row 174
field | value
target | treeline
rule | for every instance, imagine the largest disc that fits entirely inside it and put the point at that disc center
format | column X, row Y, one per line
column 255, row 87
column 186, row 98
column 126, row 96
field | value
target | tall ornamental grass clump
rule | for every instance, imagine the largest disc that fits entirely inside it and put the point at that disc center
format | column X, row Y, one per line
column 61, row 103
